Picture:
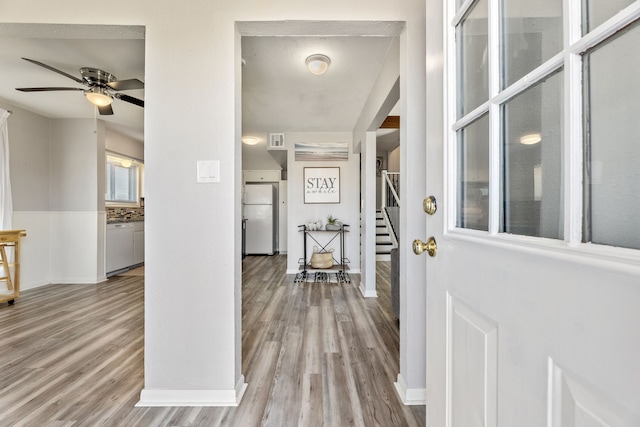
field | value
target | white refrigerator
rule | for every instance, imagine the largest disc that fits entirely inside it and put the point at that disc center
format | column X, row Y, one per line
column 259, row 204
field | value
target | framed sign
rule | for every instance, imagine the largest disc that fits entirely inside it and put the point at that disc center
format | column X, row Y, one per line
column 322, row 185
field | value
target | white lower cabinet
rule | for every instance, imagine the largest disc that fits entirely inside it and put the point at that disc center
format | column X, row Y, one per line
column 138, row 243
column 125, row 245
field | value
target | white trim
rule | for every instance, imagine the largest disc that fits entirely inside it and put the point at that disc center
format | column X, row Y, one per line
column 471, row 116
column 464, row 9
column 573, row 166
column 410, row 396
column 193, row 398
column 495, row 138
column 588, row 254
column 620, row 20
column 489, row 328
column 569, row 59
column 567, row 392
column 450, row 145
column 367, row 293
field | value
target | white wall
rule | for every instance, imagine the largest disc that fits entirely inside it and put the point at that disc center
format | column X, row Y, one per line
column 393, row 164
column 30, row 139
column 57, row 177
column 204, row 364
column 283, row 220
column 347, row 211
column 256, row 157
column 74, row 175
column 123, row 144
column 384, row 95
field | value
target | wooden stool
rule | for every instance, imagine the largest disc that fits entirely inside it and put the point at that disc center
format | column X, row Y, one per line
column 4, row 262
column 10, row 238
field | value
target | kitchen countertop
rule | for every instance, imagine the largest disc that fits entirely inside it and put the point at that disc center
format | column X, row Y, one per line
column 124, row 221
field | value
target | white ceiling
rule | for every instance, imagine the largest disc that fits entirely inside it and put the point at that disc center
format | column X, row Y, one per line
column 279, row 93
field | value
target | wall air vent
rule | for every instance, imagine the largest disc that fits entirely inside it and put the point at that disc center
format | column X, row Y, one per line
column 276, row 140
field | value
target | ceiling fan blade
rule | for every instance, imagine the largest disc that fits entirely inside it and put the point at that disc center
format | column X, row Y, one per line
column 106, row 110
column 130, row 99
column 126, row 84
column 55, row 70
column 45, row 89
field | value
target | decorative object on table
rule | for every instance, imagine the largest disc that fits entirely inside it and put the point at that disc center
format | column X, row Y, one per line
column 333, row 224
column 321, row 185
column 322, row 258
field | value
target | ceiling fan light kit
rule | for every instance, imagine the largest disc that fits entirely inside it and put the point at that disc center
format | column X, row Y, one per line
column 318, row 64
column 103, row 87
column 98, row 97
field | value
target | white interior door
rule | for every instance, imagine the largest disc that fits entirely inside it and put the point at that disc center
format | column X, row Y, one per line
column 533, row 296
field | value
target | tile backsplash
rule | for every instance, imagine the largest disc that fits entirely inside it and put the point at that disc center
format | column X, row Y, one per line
column 125, row 214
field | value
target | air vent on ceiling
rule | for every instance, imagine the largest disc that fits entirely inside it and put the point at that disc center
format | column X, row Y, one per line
column 276, row 140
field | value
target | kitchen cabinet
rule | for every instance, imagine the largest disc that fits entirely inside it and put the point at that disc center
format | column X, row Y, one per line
column 261, row 175
column 125, row 245
column 138, row 242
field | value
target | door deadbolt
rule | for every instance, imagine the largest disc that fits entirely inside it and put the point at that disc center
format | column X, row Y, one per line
column 429, row 205
column 430, row 246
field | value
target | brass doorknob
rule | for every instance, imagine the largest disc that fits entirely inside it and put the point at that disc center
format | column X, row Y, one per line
column 429, row 205
column 431, row 247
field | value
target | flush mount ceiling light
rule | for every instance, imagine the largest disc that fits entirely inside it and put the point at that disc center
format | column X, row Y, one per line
column 126, row 163
column 318, row 64
column 530, row 139
column 250, row 140
column 98, row 96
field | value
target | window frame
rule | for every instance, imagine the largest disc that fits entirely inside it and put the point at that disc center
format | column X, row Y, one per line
column 570, row 59
column 139, row 166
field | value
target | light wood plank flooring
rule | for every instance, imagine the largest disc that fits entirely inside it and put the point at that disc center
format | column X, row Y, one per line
column 313, row 355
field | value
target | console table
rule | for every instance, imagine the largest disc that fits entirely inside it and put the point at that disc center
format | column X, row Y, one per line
column 323, row 239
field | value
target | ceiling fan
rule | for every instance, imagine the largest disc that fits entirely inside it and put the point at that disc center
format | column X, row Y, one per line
column 102, row 86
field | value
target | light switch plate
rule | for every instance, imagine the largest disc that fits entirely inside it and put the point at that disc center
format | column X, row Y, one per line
column 208, row 171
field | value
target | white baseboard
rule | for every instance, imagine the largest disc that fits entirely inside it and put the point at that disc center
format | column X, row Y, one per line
column 78, row 280
column 410, row 396
column 192, row 398
column 367, row 293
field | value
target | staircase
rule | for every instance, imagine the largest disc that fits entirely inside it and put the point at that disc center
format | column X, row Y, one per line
column 384, row 243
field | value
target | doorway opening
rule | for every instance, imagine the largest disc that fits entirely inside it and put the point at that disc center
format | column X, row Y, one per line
column 266, row 110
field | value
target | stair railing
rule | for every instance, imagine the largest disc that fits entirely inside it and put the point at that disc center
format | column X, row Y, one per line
column 391, row 202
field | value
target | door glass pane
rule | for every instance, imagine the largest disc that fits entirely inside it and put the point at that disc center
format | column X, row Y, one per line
column 598, row 11
column 612, row 176
column 532, row 185
column 473, row 57
column 531, row 34
column 473, row 175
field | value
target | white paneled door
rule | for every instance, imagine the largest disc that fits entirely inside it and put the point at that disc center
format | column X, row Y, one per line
column 533, row 294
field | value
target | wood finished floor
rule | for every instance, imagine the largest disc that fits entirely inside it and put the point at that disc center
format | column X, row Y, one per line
column 313, row 354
